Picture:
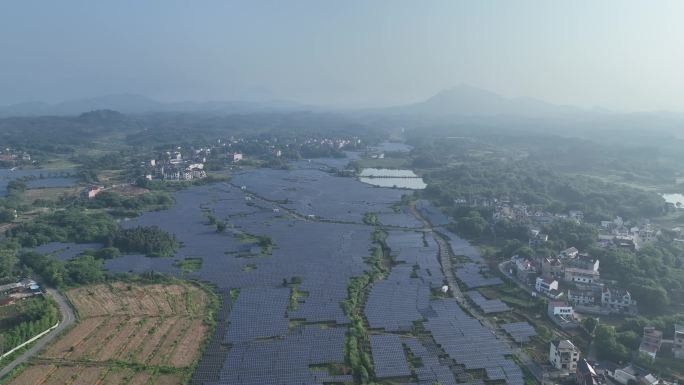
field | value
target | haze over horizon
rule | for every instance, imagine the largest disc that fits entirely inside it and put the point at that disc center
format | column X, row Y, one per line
column 619, row 55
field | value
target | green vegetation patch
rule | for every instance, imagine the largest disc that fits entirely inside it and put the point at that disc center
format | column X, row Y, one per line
column 189, row 265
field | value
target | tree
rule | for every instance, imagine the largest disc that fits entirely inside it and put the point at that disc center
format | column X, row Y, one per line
column 650, row 298
column 7, row 215
column 589, row 324
column 84, row 269
column 607, row 346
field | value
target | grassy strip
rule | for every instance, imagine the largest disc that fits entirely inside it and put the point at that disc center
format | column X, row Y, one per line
column 357, row 344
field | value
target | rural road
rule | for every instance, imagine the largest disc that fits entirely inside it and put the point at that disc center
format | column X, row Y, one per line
column 445, row 254
column 68, row 318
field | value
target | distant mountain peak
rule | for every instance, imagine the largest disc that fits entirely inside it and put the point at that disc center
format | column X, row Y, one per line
column 467, row 100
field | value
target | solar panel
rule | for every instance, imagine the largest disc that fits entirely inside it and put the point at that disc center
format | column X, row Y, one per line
column 488, row 306
column 389, row 359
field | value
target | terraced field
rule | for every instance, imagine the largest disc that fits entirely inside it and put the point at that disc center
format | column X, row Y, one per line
column 127, row 334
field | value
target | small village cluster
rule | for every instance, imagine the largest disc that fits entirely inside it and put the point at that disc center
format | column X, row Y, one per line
column 571, row 280
column 13, row 155
column 565, row 356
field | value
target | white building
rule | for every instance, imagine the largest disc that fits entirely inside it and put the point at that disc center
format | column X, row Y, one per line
column 560, row 309
column 617, row 299
column 546, row 285
column 588, row 276
column 678, row 343
column 563, row 355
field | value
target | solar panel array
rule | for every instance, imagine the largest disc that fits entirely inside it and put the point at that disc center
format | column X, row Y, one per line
column 471, row 275
column 460, row 246
column 519, row 331
column 389, row 359
column 264, row 348
column 433, row 214
column 400, row 219
column 311, row 192
column 413, row 248
column 258, row 313
column 394, row 303
column 470, row 344
column 432, row 370
column 488, row 306
column 214, row 355
column 286, row 360
column 44, row 178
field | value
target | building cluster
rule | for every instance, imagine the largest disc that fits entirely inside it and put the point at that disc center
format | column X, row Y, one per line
column 631, row 374
column 575, row 278
column 506, row 210
column 13, row 292
column 652, row 342
column 564, row 357
column 621, row 234
column 172, row 165
column 9, row 155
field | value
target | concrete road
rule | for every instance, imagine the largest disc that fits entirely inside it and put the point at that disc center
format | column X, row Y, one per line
column 68, row 318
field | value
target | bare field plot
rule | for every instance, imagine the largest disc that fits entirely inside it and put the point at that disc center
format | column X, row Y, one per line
column 125, row 334
column 138, row 300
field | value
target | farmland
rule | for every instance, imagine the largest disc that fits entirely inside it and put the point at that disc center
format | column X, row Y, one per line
column 128, row 333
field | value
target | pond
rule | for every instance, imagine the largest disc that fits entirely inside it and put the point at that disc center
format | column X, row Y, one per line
column 674, row 198
column 384, row 177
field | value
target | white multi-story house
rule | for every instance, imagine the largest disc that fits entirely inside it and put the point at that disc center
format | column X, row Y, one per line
column 583, row 297
column 563, row 355
column 678, row 342
column 579, row 275
column 547, row 286
column 617, row 299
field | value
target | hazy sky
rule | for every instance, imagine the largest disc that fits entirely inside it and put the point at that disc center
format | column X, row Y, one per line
column 626, row 55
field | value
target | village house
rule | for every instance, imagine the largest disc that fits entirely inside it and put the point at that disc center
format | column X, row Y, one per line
column 627, row 242
column 548, row 287
column 579, row 275
column 586, row 374
column 617, row 300
column 634, row 375
column 563, row 355
column 525, row 270
column 551, row 267
column 570, row 253
column 651, row 341
column 234, row 156
column 537, row 238
column 584, row 261
column 92, row 191
column 576, row 215
column 647, row 234
column 560, row 309
column 584, row 297
column 678, row 342
column 13, row 292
